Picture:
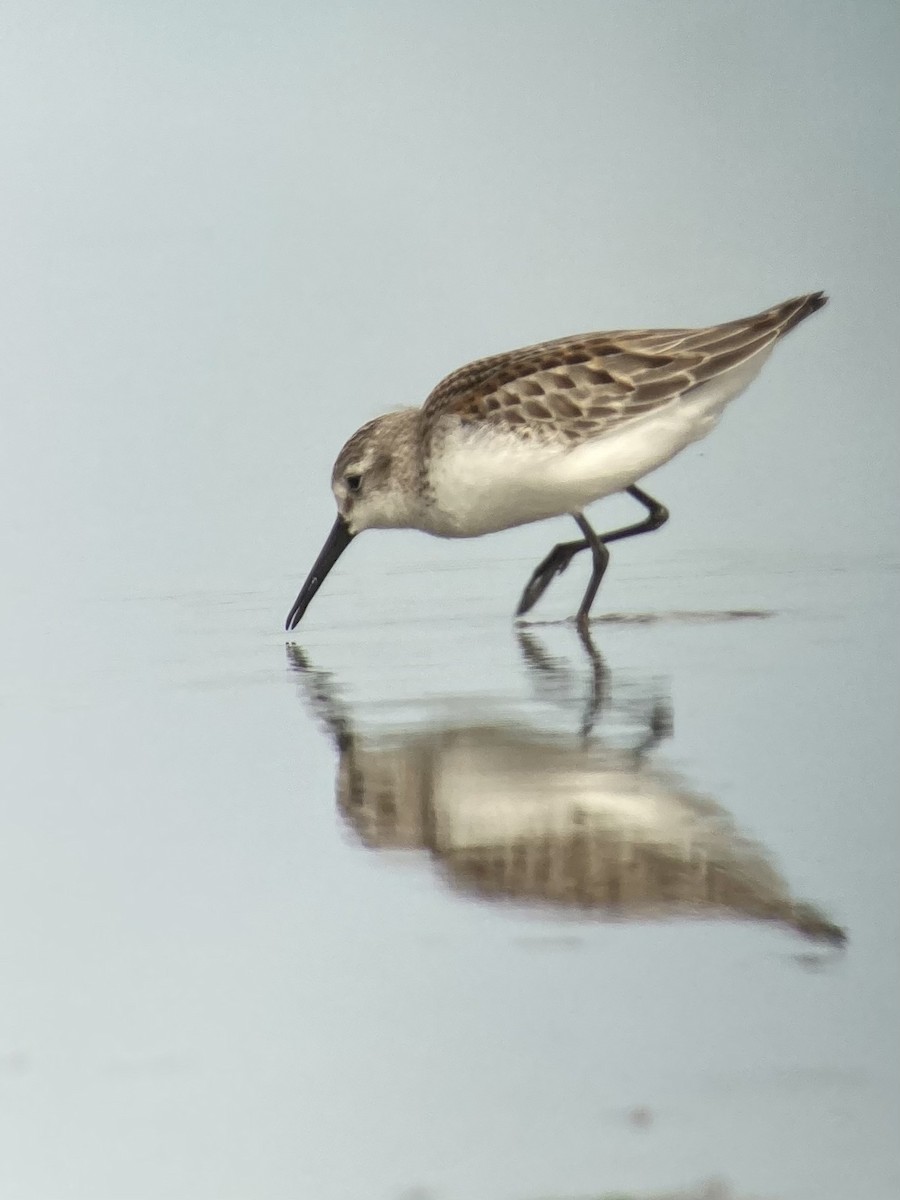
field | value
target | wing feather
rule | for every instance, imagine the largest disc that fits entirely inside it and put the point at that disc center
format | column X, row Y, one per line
column 591, row 382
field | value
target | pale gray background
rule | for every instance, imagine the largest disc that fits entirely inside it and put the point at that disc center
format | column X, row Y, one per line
column 231, row 232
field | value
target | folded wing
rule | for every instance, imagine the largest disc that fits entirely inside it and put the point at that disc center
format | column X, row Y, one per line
column 586, row 384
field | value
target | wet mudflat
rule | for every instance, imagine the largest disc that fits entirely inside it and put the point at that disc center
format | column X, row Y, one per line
column 422, row 904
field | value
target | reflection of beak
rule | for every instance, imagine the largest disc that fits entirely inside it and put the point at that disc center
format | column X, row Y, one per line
column 335, row 545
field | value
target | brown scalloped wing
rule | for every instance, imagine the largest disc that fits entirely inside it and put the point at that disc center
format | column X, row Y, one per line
column 586, row 384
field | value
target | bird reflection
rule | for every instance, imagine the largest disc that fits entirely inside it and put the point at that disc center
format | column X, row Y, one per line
column 512, row 811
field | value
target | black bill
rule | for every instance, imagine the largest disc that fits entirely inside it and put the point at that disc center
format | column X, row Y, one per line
column 335, row 545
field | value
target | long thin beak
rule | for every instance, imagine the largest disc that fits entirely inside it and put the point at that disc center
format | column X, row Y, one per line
column 335, row 545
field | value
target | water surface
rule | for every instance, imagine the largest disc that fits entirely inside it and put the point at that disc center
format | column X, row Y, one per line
column 421, row 904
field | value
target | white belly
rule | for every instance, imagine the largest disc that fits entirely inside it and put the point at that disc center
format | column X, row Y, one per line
column 491, row 479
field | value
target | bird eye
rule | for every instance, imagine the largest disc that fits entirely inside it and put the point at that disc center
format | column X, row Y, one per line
column 353, row 482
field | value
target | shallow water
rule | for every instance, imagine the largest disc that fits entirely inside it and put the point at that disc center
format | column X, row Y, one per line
column 424, row 905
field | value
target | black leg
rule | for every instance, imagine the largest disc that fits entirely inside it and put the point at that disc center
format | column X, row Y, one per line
column 600, row 555
column 542, row 576
column 657, row 514
column 560, row 556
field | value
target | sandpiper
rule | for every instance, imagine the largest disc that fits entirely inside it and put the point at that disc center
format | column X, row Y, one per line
column 542, row 432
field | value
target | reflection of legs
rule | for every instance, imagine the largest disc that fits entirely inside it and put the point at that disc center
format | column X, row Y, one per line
column 547, row 666
column 600, row 555
column 658, row 729
column 597, row 697
column 560, row 556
